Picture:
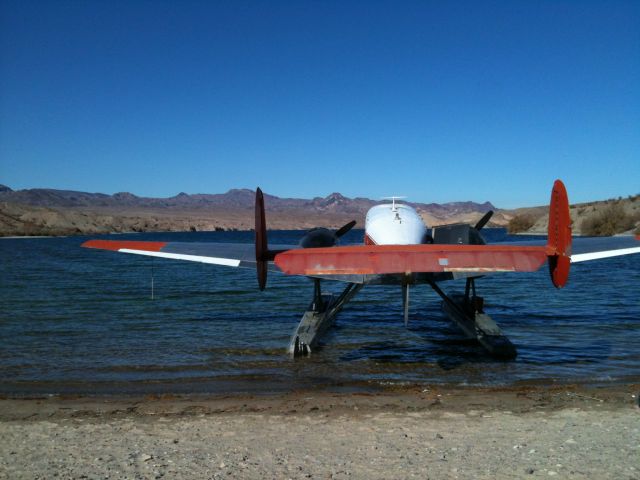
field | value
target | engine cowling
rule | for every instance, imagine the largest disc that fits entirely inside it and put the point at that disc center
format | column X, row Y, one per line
column 319, row 237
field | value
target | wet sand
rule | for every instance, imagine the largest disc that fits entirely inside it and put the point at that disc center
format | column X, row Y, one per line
column 519, row 432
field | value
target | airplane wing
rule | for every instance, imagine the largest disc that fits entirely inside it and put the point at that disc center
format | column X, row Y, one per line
column 354, row 263
column 393, row 259
column 460, row 259
column 594, row 248
column 434, row 258
column 227, row 254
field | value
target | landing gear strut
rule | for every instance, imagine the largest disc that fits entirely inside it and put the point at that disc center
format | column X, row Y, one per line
column 467, row 312
column 319, row 317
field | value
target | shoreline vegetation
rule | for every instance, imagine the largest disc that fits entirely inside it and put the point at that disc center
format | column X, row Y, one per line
column 422, row 432
column 603, row 218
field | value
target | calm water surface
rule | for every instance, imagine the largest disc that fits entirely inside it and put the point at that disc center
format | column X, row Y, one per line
column 74, row 320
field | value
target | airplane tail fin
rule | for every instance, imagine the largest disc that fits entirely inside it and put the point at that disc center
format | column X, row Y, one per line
column 559, row 235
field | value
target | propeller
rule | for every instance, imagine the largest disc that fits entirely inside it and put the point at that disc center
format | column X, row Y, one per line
column 262, row 249
column 316, row 237
column 484, row 220
column 345, row 228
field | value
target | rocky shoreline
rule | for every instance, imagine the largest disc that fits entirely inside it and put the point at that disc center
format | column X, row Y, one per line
column 426, row 432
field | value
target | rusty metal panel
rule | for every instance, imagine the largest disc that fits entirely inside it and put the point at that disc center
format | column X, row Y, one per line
column 382, row 259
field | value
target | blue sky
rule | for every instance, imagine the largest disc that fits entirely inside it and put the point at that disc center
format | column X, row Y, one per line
column 439, row 101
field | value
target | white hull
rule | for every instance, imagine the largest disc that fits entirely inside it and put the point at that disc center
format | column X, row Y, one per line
column 394, row 224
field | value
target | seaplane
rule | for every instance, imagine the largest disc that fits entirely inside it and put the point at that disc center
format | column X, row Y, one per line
column 398, row 249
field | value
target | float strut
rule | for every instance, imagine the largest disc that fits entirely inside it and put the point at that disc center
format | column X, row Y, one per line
column 466, row 311
column 318, row 303
column 318, row 318
column 405, row 303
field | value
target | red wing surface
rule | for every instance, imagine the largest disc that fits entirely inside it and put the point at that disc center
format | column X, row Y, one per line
column 393, row 259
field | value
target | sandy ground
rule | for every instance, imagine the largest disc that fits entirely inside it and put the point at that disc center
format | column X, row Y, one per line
column 525, row 432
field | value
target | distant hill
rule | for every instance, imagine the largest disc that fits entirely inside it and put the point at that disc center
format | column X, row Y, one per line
column 43, row 211
column 605, row 217
column 234, row 198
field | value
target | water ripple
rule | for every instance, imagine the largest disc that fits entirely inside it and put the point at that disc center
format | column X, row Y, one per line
column 79, row 320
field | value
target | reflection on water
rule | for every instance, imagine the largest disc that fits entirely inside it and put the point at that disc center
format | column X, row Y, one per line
column 78, row 320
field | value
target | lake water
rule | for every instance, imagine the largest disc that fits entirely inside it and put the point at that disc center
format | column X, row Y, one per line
column 75, row 320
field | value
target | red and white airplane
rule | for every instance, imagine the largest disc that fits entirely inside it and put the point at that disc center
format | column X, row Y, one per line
column 398, row 249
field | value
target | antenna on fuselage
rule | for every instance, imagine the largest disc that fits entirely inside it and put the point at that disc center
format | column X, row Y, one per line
column 393, row 201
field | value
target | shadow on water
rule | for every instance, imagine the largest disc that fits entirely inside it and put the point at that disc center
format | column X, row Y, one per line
column 435, row 340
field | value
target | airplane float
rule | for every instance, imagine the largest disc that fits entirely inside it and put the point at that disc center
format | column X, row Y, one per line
column 398, row 249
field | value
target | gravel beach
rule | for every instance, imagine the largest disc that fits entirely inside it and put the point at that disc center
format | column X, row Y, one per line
column 532, row 432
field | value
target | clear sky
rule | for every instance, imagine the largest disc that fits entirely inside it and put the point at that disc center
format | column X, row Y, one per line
column 440, row 101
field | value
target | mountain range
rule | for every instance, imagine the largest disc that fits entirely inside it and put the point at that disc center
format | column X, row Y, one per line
column 44, row 211
column 234, row 198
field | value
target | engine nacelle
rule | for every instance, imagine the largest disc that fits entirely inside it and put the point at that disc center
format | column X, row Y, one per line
column 458, row 233
column 319, row 237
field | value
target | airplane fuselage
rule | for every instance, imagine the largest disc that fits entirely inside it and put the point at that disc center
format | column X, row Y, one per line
column 385, row 224
column 394, row 224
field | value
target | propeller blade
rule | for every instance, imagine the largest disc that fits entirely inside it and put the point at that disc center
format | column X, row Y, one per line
column 345, row 228
column 261, row 240
column 483, row 221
